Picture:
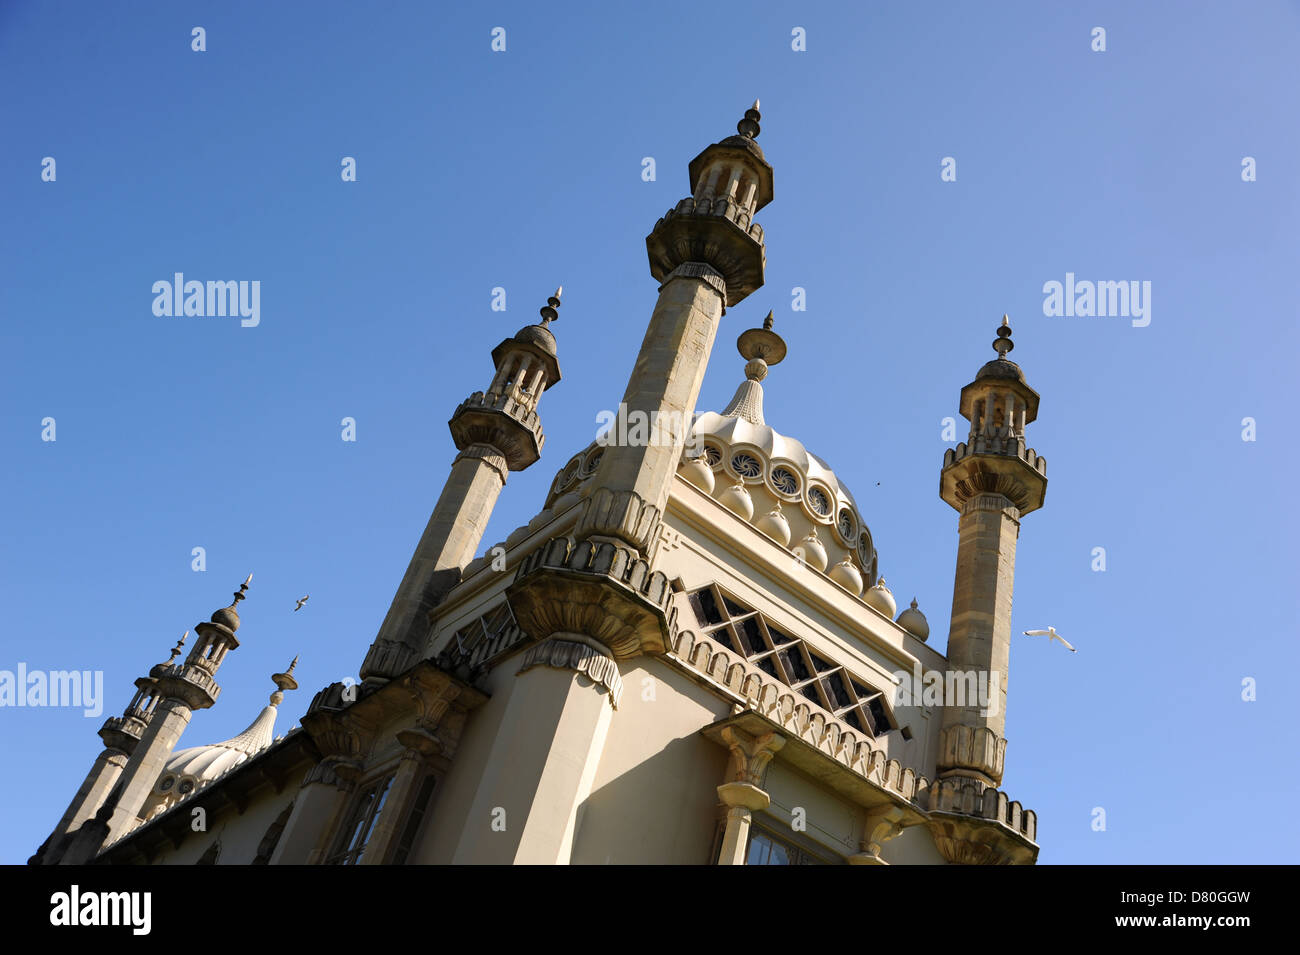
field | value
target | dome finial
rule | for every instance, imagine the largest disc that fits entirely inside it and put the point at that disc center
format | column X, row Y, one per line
column 283, row 681
column 762, row 348
column 548, row 311
column 748, row 127
column 1003, row 343
column 176, row 650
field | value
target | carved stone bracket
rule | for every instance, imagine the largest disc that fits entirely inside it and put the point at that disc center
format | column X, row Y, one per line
column 580, row 658
column 750, row 754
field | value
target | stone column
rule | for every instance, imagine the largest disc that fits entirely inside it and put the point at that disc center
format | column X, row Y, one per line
column 971, row 741
column 634, row 482
column 99, row 782
column 320, row 802
column 742, row 793
column 420, row 745
column 141, row 774
column 449, row 542
column 539, row 772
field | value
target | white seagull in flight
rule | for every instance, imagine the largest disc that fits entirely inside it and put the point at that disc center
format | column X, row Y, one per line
column 301, row 601
column 1051, row 635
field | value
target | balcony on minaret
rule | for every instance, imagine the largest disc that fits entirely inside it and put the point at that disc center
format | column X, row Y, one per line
column 505, row 415
column 995, row 457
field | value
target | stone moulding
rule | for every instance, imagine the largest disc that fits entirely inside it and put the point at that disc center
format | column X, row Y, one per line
column 580, row 658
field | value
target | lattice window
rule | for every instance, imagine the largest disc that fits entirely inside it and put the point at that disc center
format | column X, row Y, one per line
column 492, row 625
column 790, row 660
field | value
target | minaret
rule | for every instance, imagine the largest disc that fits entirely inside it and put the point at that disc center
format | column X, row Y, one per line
column 707, row 253
column 180, row 688
column 496, row 431
column 992, row 480
column 120, row 735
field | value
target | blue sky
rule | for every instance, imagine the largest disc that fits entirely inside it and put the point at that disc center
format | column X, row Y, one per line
column 522, row 169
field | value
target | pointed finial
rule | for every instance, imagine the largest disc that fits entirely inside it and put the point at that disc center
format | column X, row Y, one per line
column 1003, row 343
column 749, row 125
column 767, row 322
column 176, row 650
column 283, row 681
column 243, row 589
column 548, row 311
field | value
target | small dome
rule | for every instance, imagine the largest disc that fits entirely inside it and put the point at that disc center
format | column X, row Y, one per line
column 700, row 474
column 847, row 576
column 814, row 553
column 745, row 143
column 1001, row 368
column 914, row 622
column 881, row 599
column 227, row 618
column 737, row 500
column 775, row 526
column 538, row 335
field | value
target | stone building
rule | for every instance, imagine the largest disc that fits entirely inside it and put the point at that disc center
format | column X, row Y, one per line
column 687, row 656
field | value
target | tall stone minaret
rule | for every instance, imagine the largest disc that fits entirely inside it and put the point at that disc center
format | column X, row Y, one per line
column 180, row 689
column 496, row 431
column 707, row 253
column 992, row 480
column 592, row 597
column 120, row 734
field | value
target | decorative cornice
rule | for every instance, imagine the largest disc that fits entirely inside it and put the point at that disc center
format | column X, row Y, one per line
column 698, row 270
column 581, row 659
column 489, row 456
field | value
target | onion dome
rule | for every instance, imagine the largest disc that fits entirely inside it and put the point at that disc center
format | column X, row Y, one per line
column 847, row 576
column 189, row 769
column 539, row 334
column 914, row 622
column 1002, row 367
column 226, row 616
column 775, row 526
column 737, row 500
column 814, row 554
column 881, row 599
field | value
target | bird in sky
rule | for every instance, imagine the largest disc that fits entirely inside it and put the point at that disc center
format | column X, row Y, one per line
column 301, row 601
column 1051, row 635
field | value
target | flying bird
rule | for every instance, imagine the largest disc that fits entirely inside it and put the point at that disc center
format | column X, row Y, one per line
column 301, row 601
column 1051, row 635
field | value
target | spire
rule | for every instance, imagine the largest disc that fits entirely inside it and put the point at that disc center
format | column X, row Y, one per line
column 748, row 126
column 176, row 650
column 227, row 616
column 762, row 348
column 283, row 681
column 1003, row 343
column 548, row 311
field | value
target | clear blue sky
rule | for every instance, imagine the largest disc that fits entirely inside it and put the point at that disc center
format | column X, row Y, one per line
column 522, row 169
